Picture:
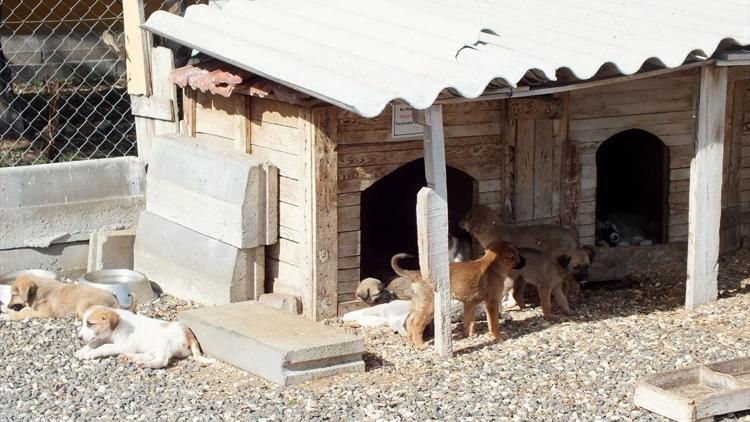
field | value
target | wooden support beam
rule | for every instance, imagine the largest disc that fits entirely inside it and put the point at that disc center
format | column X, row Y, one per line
column 137, row 48
column 704, row 215
column 319, row 175
column 432, row 228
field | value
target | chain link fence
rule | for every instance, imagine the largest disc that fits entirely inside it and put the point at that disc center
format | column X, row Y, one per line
column 63, row 90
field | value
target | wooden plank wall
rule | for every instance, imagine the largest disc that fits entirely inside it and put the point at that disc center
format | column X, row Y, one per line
column 744, row 133
column 277, row 134
column 537, row 171
column 664, row 106
column 731, row 213
column 366, row 153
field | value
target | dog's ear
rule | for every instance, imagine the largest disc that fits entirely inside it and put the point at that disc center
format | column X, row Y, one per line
column 104, row 316
column 589, row 250
column 27, row 288
column 563, row 260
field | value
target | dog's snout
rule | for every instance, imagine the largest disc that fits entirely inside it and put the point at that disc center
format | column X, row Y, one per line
column 15, row 306
column 520, row 264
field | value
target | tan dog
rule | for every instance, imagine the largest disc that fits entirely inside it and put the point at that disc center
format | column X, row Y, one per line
column 36, row 297
column 549, row 273
column 372, row 291
column 472, row 283
column 487, row 227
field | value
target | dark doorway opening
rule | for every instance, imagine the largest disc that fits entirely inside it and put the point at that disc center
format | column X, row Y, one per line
column 388, row 216
column 632, row 188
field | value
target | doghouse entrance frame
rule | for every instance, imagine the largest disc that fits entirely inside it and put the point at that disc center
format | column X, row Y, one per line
column 610, row 184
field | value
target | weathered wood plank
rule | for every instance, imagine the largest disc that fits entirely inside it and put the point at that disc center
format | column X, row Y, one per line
column 320, row 221
column 648, row 106
column 349, row 199
column 524, row 165
column 631, row 121
column 705, row 189
column 432, row 228
column 137, row 48
column 275, row 112
column 586, row 99
column 543, row 169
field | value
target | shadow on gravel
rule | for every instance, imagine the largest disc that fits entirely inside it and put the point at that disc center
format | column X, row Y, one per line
column 649, row 290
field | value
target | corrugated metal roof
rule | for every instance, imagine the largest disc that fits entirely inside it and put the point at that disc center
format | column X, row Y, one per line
column 363, row 54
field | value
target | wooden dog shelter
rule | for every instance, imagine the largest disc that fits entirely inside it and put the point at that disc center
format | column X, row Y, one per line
column 482, row 96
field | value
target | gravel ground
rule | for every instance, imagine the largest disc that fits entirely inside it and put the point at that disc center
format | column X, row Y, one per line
column 580, row 368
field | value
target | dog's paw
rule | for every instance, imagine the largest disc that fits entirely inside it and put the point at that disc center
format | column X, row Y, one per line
column 125, row 358
column 84, row 354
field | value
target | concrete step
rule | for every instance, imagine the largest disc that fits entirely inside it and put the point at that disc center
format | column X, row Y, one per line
column 274, row 344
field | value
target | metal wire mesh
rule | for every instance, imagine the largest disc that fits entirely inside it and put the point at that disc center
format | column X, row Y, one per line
column 62, row 80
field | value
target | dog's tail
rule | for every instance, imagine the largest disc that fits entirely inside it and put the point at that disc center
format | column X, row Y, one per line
column 195, row 347
column 400, row 271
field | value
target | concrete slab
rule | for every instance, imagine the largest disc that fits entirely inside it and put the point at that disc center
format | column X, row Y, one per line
column 111, row 249
column 228, row 196
column 67, row 259
column 47, row 204
column 193, row 266
column 283, row 302
column 284, row 348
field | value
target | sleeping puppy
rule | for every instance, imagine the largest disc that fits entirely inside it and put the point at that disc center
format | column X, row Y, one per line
column 472, row 283
column 36, row 297
column 372, row 291
column 139, row 339
column 548, row 272
column 487, row 227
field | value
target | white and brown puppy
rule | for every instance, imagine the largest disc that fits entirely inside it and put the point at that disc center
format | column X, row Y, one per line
column 37, row 297
column 139, row 339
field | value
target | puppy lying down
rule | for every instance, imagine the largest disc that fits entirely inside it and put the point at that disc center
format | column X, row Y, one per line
column 139, row 339
column 393, row 315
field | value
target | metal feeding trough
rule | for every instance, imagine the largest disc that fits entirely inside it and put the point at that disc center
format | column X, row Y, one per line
column 7, row 279
column 124, row 284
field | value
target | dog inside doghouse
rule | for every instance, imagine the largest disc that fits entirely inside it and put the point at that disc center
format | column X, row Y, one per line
column 632, row 176
column 389, row 220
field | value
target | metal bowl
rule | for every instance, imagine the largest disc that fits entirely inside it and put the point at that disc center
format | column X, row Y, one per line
column 122, row 283
column 7, row 279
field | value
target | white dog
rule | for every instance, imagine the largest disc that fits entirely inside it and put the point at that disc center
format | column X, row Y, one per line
column 144, row 341
column 393, row 315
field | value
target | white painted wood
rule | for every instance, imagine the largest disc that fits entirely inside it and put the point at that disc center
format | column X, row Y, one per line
column 432, row 228
column 704, row 214
column 137, row 48
column 152, row 107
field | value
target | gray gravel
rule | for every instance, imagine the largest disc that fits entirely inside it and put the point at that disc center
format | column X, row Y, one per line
column 581, row 368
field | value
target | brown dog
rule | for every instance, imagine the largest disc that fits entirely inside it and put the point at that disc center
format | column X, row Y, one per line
column 550, row 273
column 487, row 227
column 36, row 297
column 472, row 283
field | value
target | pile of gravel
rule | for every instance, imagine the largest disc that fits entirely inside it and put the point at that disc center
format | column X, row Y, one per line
column 583, row 367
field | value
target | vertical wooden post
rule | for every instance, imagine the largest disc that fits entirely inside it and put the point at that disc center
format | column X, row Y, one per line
column 705, row 189
column 432, row 227
column 319, row 177
column 138, row 67
column 137, row 48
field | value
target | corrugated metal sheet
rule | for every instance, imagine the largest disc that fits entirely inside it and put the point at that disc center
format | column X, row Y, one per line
column 362, row 54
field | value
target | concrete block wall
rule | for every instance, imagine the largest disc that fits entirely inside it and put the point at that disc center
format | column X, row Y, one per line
column 209, row 213
column 48, row 211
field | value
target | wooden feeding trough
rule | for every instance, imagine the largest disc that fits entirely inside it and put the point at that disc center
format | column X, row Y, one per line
column 699, row 393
